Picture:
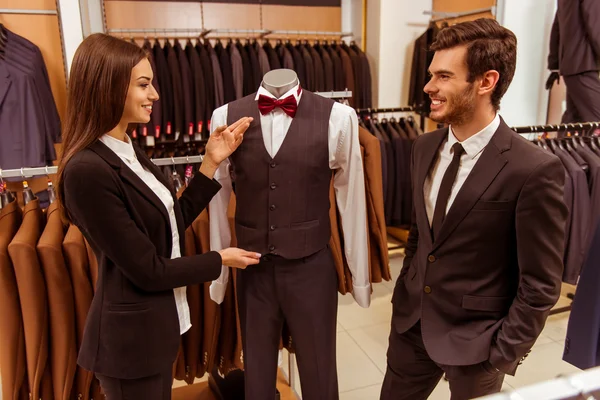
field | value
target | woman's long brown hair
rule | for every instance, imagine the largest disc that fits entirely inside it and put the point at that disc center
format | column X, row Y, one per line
column 96, row 94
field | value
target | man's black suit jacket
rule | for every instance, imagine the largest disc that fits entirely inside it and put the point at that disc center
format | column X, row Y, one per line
column 484, row 288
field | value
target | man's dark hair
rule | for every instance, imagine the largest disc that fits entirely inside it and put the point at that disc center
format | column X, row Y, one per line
column 490, row 46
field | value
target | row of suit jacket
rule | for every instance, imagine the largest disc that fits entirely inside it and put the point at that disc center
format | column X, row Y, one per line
column 48, row 276
column 395, row 139
column 29, row 120
column 195, row 79
column 581, row 159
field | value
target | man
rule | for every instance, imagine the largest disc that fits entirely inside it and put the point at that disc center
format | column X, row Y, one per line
column 483, row 260
column 575, row 54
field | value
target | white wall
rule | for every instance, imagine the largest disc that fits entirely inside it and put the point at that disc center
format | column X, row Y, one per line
column 72, row 32
column 526, row 101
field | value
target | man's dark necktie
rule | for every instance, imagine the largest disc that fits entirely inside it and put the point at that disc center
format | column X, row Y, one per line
column 445, row 189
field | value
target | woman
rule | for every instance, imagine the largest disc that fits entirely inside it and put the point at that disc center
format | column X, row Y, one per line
column 128, row 212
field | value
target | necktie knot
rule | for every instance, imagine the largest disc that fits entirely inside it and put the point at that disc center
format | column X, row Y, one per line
column 458, row 150
column 267, row 104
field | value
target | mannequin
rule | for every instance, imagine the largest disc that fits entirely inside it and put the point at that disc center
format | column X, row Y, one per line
column 282, row 173
column 280, row 81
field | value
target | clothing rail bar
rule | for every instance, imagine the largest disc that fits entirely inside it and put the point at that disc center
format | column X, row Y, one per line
column 344, row 94
column 583, row 126
column 205, row 32
column 40, row 171
column 383, row 110
column 25, row 12
column 440, row 15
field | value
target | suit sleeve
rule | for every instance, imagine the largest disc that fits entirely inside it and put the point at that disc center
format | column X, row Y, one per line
column 590, row 10
column 413, row 235
column 196, row 197
column 95, row 203
column 540, row 221
column 553, row 59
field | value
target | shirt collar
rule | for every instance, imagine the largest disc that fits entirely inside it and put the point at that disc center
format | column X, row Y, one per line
column 123, row 149
column 476, row 143
column 296, row 91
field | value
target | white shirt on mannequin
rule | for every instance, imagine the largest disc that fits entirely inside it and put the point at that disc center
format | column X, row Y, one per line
column 344, row 157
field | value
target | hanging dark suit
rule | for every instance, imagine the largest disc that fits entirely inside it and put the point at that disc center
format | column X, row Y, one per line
column 318, row 68
column 227, row 68
column 274, row 62
column 329, row 74
column 338, row 69
column 311, row 80
column 349, row 75
column 198, row 87
column 33, row 298
column 254, row 64
column 209, row 85
column 365, row 78
column 419, row 77
column 77, row 262
column 299, row 65
column 217, row 76
column 178, row 97
column 166, row 87
column 238, row 70
column 263, row 59
column 189, row 121
column 13, row 362
column 248, row 73
column 63, row 353
column 583, row 332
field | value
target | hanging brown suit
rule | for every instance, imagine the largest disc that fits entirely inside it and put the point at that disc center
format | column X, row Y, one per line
column 12, row 337
column 78, row 265
column 211, row 315
column 33, row 299
column 63, row 361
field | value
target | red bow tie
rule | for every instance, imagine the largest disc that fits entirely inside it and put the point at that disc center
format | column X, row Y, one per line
column 267, row 104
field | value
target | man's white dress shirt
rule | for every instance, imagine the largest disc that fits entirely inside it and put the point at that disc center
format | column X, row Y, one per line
column 473, row 148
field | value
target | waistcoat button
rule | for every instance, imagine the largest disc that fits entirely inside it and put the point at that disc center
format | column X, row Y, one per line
column 273, row 207
column 273, row 164
column 272, row 227
column 273, row 186
column 271, row 247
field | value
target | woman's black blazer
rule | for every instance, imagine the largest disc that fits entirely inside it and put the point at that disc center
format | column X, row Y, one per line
column 132, row 328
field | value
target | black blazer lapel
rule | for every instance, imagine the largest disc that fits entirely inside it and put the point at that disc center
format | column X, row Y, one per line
column 489, row 165
column 425, row 160
column 130, row 177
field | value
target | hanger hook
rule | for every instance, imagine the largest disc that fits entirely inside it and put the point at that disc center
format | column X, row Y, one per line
column 47, row 173
column 173, row 160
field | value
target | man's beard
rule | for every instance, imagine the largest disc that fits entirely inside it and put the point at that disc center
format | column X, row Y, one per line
column 459, row 108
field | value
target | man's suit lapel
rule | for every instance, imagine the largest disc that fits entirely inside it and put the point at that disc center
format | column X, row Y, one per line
column 489, row 165
column 426, row 161
column 130, row 177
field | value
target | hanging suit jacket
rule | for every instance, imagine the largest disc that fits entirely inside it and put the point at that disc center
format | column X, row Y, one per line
column 211, row 314
column 199, row 93
column 155, row 123
column 12, row 337
column 327, row 68
column 349, row 74
column 274, row 62
column 254, row 64
column 209, row 85
column 237, row 66
column 227, row 68
column 263, row 59
column 318, row 67
column 575, row 37
column 365, row 78
column 482, row 296
column 338, row 69
column 189, row 120
column 166, row 87
column 77, row 263
column 63, row 353
column 309, row 65
column 291, row 60
column 178, row 97
column 583, row 333
column 33, row 298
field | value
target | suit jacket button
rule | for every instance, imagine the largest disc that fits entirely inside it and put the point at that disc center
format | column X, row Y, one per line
column 431, row 258
column 427, row 289
column 273, row 207
column 273, row 186
column 271, row 247
column 272, row 227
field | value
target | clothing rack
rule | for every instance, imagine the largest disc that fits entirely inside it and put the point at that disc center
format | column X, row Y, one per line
column 40, row 171
column 584, row 126
column 441, row 15
column 583, row 385
column 203, row 33
column 360, row 111
column 25, row 12
column 344, row 94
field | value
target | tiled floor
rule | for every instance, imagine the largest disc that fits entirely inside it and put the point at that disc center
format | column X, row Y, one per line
column 363, row 340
